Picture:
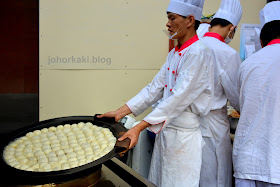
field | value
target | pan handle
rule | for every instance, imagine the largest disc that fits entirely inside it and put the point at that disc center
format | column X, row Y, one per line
column 122, row 146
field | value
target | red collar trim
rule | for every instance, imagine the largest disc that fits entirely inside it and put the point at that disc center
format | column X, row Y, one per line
column 275, row 41
column 214, row 35
column 187, row 43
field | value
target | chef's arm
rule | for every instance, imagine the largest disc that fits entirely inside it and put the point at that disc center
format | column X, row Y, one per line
column 229, row 80
column 134, row 133
column 117, row 114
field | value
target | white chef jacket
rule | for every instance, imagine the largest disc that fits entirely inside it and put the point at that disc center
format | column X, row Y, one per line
column 217, row 153
column 185, row 84
column 256, row 149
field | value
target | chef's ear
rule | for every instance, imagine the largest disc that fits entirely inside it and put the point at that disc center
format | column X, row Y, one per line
column 261, row 43
column 191, row 22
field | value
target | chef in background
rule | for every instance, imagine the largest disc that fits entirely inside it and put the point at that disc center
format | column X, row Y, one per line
column 217, row 152
column 256, row 148
column 185, row 85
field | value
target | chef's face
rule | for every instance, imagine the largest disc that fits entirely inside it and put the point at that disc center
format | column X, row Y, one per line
column 177, row 23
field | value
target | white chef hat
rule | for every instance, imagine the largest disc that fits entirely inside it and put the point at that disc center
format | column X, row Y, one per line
column 230, row 10
column 270, row 12
column 202, row 29
column 186, row 8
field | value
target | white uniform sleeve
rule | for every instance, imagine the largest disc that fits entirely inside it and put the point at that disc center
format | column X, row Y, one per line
column 195, row 79
column 148, row 95
column 229, row 80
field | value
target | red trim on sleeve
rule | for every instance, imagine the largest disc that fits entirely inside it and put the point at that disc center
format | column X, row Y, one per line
column 275, row 41
column 156, row 124
column 214, row 35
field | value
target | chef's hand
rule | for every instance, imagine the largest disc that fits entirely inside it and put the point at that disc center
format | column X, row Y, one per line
column 134, row 132
column 117, row 114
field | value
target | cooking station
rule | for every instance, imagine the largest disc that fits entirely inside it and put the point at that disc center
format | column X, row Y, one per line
column 107, row 171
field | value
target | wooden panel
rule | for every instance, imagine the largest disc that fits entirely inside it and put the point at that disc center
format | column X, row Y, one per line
column 19, row 47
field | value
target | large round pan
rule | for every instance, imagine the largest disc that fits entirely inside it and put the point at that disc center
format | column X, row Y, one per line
column 16, row 176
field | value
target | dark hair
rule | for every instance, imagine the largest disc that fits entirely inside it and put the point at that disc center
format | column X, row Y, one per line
column 219, row 21
column 196, row 24
column 270, row 31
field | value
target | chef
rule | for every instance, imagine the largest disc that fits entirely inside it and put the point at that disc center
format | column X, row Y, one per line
column 185, row 85
column 256, row 148
column 217, row 153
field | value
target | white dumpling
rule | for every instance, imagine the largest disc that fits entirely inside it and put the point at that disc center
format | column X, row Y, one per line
column 67, row 126
column 37, row 132
column 80, row 156
column 35, row 166
column 52, row 129
column 72, row 159
column 81, row 124
column 42, row 160
column 47, row 167
column 74, row 164
column 56, row 148
column 12, row 162
column 19, row 157
column 17, row 166
column 31, row 161
column 70, row 155
column 59, row 152
column 89, row 124
column 80, row 152
column 44, row 130
column 40, row 157
column 52, row 159
column 74, row 145
column 68, row 150
column 88, row 152
column 29, row 134
column 23, row 167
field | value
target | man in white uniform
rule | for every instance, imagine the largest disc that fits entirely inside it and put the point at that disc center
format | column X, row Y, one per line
column 185, row 84
column 256, row 149
column 216, row 168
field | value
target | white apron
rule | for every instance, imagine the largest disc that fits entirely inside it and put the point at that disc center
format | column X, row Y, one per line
column 176, row 159
column 216, row 170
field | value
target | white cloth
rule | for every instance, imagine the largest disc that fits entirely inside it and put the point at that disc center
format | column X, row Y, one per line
column 230, row 10
column 253, row 183
column 186, row 8
column 217, row 153
column 202, row 29
column 256, row 150
column 226, row 62
column 270, row 12
column 176, row 159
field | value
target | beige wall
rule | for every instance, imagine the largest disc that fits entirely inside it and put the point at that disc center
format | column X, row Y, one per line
column 129, row 33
